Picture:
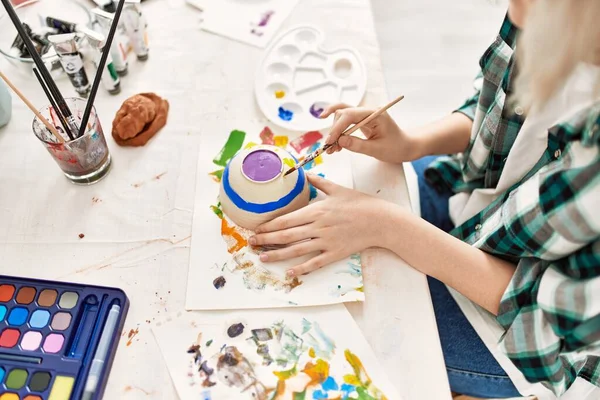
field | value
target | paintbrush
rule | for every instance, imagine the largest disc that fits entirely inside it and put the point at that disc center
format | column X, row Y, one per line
column 101, row 65
column 51, row 128
column 61, row 117
column 37, row 59
column 348, row 131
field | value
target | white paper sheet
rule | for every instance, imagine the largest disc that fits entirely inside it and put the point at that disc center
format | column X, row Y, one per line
column 321, row 350
column 209, row 259
column 254, row 22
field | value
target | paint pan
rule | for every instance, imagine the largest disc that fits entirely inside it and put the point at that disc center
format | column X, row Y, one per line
column 49, row 334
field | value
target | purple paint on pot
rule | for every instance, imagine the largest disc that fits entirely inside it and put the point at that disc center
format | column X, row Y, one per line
column 262, row 165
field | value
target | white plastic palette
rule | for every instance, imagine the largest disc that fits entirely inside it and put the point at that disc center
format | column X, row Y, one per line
column 297, row 78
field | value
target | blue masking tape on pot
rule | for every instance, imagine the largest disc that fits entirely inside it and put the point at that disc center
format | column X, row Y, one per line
column 264, row 207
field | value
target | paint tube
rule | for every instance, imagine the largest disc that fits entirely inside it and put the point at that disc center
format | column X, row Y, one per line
column 66, row 48
column 136, row 27
column 118, row 47
column 110, row 78
column 60, row 25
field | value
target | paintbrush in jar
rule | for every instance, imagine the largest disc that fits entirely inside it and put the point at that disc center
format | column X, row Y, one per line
column 348, row 131
column 48, row 125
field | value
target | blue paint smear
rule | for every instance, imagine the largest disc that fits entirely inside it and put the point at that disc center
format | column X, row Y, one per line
column 206, row 395
column 329, row 384
column 311, row 149
column 264, row 207
column 347, row 390
column 319, row 395
column 313, row 191
column 285, row 115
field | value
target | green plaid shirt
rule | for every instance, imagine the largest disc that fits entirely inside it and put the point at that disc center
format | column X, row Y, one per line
column 548, row 224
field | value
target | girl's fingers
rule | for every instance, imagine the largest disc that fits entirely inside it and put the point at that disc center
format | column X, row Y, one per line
column 311, row 265
column 333, row 108
column 345, row 118
column 296, row 250
column 299, row 217
column 286, row 236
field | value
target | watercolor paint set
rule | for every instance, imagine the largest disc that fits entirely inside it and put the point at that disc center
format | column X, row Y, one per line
column 57, row 340
column 297, row 78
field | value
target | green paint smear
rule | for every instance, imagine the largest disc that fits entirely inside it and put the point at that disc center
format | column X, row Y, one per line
column 283, row 375
column 300, row 396
column 218, row 174
column 112, row 71
column 209, row 343
column 217, row 210
column 233, row 145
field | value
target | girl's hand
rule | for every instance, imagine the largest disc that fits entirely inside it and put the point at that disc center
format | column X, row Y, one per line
column 342, row 224
column 385, row 140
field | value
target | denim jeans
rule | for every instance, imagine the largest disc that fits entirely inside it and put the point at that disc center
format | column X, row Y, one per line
column 472, row 369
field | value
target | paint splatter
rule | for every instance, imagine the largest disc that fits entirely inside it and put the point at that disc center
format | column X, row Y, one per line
column 232, row 146
column 316, row 111
column 217, row 175
column 307, row 140
column 235, row 330
column 249, row 145
column 209, row 343
column 279, row 94
column 360, row 379
column 266, row 17
column 266, row 136
column 318, row 372
column 81, row 236
column 280, row 141
column 285, row 115
column 219, row 282
column 131, row 335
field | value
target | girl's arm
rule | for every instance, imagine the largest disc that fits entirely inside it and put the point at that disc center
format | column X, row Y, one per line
column 479, row 276
column 449, row 135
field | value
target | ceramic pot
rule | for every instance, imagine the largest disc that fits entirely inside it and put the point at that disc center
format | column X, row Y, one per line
column 5, row 104
column 254, row 190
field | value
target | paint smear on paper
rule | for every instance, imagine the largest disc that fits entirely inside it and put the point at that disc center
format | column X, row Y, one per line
column 266, row 136
column 217, row 175
column 249, row 145
column 235, row 241
column 265, row 18
column 232, row 146
column 234, row 370
column 217, row 210
column 279, row 94
column 319, row 160
column 360, row 379
column 306, row 140
column 257, row 277
column 281, row 141
column 285, row 115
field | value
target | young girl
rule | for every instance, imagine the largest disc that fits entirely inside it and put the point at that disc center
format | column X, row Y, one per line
column 515, row 283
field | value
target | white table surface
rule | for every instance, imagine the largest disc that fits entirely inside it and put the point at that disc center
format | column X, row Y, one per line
column 137, row 221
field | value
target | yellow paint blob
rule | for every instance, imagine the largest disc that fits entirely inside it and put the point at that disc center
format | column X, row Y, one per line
column 9, row 396
column 318, row 160
column 61, row 390
column 289, row 162
column 281, row 141
column 317, row 372
column 279, row 94
column 249, row 145
column 311, row 352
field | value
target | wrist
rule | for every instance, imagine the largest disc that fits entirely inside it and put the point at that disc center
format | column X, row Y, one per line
column 417, row 145
column 387, row 219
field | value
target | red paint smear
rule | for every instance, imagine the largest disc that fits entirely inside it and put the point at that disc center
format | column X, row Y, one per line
column 306, row 140
column 266, row 136
column 227, row 230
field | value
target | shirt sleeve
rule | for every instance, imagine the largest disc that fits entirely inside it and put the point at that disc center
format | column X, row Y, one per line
column 551, row 314
column 469, row 107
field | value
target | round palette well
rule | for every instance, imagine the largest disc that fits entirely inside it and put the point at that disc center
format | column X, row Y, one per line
column 297, row 79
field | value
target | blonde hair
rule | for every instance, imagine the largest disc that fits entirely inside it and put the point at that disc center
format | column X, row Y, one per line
column 558, row 35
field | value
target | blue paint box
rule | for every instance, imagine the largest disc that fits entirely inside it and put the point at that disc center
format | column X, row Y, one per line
column 57, row 340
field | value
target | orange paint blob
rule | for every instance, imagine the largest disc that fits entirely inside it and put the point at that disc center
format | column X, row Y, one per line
column 230, row 231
